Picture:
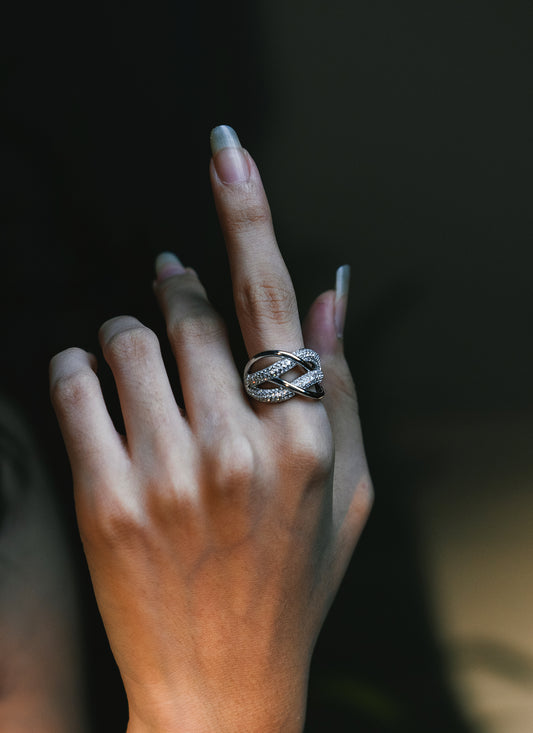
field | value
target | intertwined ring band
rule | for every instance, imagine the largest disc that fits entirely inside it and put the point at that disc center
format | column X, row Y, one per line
column 308, row 359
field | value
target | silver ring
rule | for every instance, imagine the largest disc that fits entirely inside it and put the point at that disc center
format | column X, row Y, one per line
column 308, row 359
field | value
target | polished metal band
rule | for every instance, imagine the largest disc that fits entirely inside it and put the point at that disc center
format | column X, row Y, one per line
column 283, row 390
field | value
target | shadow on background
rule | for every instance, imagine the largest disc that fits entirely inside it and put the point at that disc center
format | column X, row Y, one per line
column 392, row 137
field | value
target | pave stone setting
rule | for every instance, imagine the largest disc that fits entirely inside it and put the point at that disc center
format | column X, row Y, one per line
column 307, row 359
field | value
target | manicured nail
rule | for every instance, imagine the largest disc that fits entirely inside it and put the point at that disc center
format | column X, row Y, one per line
column 167, row 265
column 342, row 285
column 228, row 156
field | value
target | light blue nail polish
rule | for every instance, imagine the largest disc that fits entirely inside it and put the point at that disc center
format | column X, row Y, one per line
column 228, row 156
column 222, row 137
column 166, row 265
column 342, row 286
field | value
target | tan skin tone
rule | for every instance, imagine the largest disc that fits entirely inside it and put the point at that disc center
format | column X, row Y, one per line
column 216, row 536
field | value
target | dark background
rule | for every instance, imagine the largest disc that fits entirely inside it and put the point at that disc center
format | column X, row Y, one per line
column 392, row 136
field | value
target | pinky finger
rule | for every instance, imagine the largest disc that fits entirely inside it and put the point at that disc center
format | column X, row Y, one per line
column 90, row 437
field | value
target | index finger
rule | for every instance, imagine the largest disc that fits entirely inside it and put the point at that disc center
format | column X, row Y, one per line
column 262, row 288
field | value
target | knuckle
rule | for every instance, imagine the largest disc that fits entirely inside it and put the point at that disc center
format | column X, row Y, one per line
column 199, row 325
column 69, row 391
column 170, row 506
column 113, row 523
column 311, row 454
column 273, row 299
column 119, row 529
column 163, row 490
column 250, row 213
column 231, row 464
column 133, row 344
column 174, row 291
column 116, row 519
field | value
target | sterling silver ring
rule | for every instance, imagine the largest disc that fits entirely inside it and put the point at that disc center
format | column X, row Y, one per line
column 283, row 390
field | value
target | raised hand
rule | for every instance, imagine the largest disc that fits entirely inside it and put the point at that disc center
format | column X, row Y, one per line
column 216, row 535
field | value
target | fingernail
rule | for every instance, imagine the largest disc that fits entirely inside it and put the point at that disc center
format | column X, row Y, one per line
column 167, row 265
column 228, row 156
column 342, row 285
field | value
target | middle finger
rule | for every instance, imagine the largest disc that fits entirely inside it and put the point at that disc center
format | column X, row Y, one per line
column 264, row 296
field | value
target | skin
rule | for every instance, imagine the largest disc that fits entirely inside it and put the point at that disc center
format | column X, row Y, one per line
column 217, row 535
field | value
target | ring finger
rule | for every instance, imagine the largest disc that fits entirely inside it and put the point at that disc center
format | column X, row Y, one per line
column 209, row 379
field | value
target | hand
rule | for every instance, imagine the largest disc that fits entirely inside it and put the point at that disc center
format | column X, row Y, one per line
column 216, row 536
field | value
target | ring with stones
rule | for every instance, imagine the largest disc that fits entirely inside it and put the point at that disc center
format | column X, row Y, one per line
column 306, row 385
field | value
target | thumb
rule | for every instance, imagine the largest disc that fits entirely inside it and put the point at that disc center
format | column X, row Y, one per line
column 322, row 331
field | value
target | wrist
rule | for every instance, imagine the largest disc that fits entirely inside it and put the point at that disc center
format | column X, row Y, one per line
column 266, row 710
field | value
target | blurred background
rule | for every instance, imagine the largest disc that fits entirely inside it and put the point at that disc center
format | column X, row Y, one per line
column 391, row 136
